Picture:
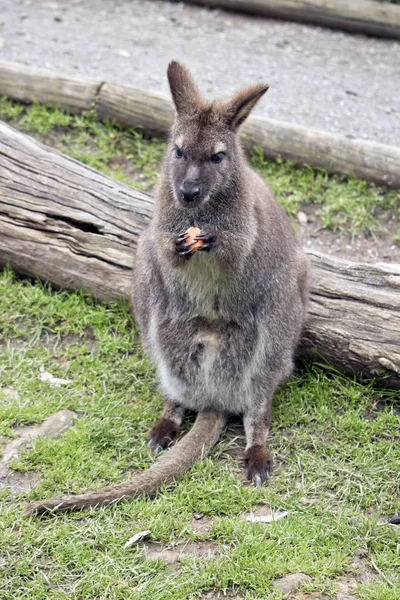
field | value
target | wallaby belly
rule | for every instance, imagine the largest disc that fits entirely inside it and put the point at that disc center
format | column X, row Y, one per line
column 201, row 366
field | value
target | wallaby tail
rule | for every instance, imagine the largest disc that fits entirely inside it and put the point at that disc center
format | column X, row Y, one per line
column 175, row 461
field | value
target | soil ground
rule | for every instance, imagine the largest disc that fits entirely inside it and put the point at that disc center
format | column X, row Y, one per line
column 320, row 78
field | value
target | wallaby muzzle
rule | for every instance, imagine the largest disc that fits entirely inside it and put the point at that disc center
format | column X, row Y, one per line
column 190, row 193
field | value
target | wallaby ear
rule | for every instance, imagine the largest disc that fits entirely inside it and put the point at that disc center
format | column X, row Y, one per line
column 242, row 103
column 185, row 93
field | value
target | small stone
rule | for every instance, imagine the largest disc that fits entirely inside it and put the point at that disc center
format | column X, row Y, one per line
column 124, row 53
column 53, row 426
column 302, row 218
column 11, row 392
column 290, row 583
column 394, row 520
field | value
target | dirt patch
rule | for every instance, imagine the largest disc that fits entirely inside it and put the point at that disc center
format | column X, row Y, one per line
column 358, row 573
column 13, row 343
column 289, row 583
column 53, row 426
column 19, row 483
column 366, row 249
column 57, row 344
column 218, row 595
column 201, row 524
column 11, row 392
column 173, row 554
column 137, row 175
column 313, row 596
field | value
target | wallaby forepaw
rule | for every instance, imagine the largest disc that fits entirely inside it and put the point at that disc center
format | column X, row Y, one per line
column 258, row 464
column 208, row 238
column 187, row 244
column 194, row 240
column 163, row 434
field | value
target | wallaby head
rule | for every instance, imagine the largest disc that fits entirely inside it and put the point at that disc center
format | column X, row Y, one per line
column 204, row 154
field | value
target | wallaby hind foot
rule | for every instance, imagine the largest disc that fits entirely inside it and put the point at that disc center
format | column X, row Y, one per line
column 165, row 431
column 258, row 464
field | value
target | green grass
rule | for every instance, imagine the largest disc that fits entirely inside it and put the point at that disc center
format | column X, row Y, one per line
column 120, row 153
column 335, row 442
column 344, row 205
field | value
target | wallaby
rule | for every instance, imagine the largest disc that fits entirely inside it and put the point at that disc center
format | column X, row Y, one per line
column 220, row 310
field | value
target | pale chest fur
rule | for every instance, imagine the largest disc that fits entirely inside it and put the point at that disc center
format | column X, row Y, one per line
column 203, row 281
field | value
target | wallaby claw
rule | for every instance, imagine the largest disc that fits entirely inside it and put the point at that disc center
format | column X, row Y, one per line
column 181, row 246
column 260, row 478
column 208, row 237
column 257, row 480
column 156, row 448
column 163, row 434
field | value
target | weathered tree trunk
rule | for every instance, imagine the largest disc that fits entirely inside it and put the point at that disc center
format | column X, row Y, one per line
column 335, row 153
column 154, row 114
column 26, row 84
column 365, row 16
column 66, row 223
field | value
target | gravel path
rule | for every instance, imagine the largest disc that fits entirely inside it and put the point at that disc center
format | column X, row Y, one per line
column 319, row 78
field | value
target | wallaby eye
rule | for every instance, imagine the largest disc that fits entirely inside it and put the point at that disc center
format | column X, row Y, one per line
column 178, row 152
column 216, row 158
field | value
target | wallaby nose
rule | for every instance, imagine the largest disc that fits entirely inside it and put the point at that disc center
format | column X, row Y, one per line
column 190, row 192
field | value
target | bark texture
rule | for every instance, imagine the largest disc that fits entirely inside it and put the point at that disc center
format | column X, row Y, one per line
column 28, row 84
column 154, row 114
column 364, row 16
column 66, row 223
column 335, row 153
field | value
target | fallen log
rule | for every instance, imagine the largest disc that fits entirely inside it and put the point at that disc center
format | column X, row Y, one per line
column 153, row 114
column 25, row 84
column 358, row 16
column 333, row 152
column 68, row 224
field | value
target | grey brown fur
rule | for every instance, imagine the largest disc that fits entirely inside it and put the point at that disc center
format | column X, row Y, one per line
column 221, row 324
